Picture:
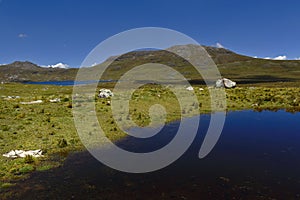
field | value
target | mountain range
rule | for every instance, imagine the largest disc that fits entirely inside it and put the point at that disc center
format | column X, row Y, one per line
column 241, row 68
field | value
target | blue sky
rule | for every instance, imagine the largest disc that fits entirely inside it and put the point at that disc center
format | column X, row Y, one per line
column 49, row 32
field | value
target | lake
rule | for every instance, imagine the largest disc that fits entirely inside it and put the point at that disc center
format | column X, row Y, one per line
column 256, row 157
column 67, row 83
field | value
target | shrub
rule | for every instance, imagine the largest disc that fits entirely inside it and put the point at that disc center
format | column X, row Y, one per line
column 65, row 99
column 29, row 159
column 62, row 143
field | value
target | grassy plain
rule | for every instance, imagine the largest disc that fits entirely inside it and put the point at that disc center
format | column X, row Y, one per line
column 50, row 127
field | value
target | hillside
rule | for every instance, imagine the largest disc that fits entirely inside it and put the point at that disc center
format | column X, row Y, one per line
column 240, row 68
column 243, row 69
column 27, row 71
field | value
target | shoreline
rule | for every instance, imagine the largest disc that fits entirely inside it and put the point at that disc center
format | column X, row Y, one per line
column 47, row 124
column 81, row 168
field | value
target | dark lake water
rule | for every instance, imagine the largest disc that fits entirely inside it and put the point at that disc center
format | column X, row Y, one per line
column 257, row 157
column 66, row 83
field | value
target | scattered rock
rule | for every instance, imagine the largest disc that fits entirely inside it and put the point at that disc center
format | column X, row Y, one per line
column 23, row 154
column 11, row 97
column 32, row 102
column 224, row 82
column 201, row 89
column 56, row 100
column 190, row 88
column 105, row 93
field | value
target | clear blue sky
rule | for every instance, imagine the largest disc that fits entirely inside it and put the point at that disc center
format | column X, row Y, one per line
column 48, row 32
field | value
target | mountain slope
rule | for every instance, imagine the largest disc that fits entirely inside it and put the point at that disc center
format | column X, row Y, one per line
column 241, row 68
column 26, row 71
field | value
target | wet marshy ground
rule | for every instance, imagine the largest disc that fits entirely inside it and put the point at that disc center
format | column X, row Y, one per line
column 257, row 157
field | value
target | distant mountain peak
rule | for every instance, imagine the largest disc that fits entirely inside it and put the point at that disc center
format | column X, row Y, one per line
column 23, row 65
column 213, row 51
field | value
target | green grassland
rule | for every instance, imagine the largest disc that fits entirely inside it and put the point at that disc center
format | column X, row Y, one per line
column 50, row 127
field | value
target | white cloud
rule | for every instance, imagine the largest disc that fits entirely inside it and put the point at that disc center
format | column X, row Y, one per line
column 58, row 65
column 219, row 45
column 282, row 57
column 22, row 35
column 297, row 58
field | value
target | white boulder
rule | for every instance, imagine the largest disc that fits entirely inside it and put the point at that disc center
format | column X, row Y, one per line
column 224, row 82
column 23, row 154
column 56, row 100
column 32, row 102
column 105, row 93
column 190, row 88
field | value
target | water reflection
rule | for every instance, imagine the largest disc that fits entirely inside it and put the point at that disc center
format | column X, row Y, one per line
column 257, row 157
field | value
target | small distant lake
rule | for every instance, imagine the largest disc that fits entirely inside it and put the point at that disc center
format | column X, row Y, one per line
column 67, row 83
column 256, row 157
